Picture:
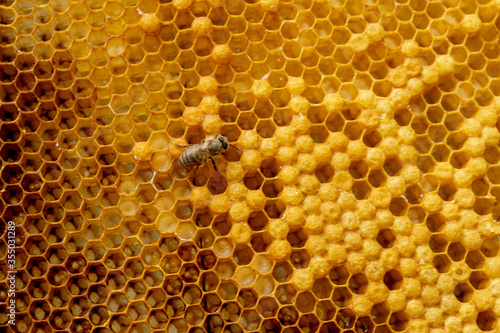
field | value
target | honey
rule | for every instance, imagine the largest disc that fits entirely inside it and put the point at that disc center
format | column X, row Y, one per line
column 363, row 196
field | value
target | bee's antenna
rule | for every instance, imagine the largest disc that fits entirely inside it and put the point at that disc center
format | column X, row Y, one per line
column 234, row 147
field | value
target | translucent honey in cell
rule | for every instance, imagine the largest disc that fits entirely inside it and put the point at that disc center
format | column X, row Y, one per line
column 363, row 196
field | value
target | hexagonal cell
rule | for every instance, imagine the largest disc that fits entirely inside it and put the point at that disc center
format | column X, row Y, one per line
column 155, row 298
column 70, row 181
column 435, row 222
column 78, row 285
column 288, row 315
column 438, row 243
column 51, row 171
column 463, row 292
column 36, row 245
column 300, row 258
column 442, row 263
column 275, row 209
column 35, row 225
column 490, row 247
column 398, row 321
column 95, row 272
column 38, row 288
column 79, row 306
column 12, row 195
column 95, row 251
column 189, row 273
column 10, row 132
column 52, row 191
column 486, row 320
column 23, row 300
column 210, row 303
column 117, row 302
column 11, row 153
column 206, row 260
column 57, row 276
column 33, row 203
column 114, row 259
column 479, row 280
column 339, row 275
column 456, row 251
column 250, row 320
column 260, row 241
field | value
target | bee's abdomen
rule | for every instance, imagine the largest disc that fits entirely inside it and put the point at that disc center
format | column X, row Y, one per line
column 190, row 158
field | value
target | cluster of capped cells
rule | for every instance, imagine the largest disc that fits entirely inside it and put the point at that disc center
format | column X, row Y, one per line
column 362, row 195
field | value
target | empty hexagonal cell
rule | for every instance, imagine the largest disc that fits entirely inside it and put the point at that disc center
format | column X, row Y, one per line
column 134, row 268
column 456, row 251
column 398, row 206
column 490, row 247
column 386, row 238
column 10, row 132
column 275, row 209
column 99, row 315
column 435, row 222
column 398, row 321
column 11, row 153
column 442, row 263
column 325, row 310
column 486, row 320
column 272, row 188
column 479, row 280
column 438, row 243
column 55, row 234
column 361, row 189
column 78, row 285
column 250, row 320
column 260, row 241
column 491, row 155
column 206, row 260
column 339, row 275
column 425, row 163
column 463, row 292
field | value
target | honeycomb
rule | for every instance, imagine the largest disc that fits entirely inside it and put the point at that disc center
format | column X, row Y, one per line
column 363, row 195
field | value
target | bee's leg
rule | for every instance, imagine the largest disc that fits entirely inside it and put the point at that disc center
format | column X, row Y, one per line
column 183, row 146
column 194, row 175
column 213, row 162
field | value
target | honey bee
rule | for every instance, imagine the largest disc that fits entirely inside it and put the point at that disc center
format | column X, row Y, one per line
column 197, row 154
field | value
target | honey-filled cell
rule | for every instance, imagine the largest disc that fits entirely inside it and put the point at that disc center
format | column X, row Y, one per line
column 360, row 180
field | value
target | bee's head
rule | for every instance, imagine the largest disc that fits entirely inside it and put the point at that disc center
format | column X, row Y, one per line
column 224, row 141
